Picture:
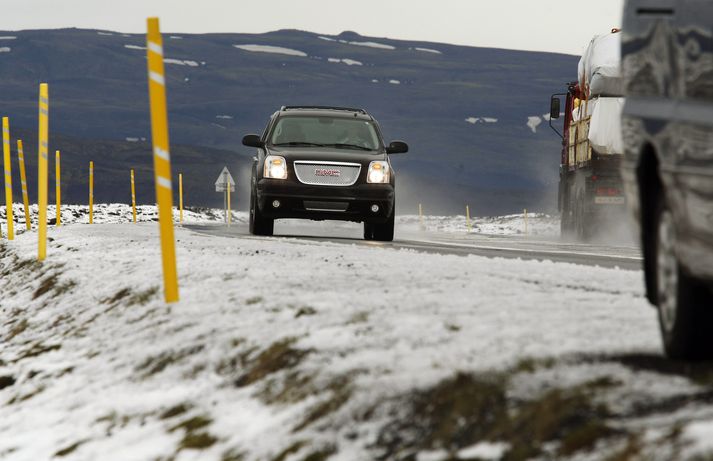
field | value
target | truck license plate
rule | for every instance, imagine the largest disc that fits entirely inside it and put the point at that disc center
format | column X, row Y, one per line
column 609, row 200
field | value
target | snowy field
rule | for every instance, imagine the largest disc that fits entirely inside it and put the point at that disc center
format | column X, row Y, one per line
column 295, row 350
column 538, row 224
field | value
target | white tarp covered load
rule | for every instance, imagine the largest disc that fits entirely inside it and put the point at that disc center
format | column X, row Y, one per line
column 600, row 66
column 605, row 126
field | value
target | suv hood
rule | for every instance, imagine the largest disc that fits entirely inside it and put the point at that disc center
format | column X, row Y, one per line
column 326, row 154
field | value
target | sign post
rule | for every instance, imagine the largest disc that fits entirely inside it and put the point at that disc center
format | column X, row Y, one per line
column 162, row 157
column 23, row 182
column 58, row 189
column 91, row 192
column 42, row 173
column 7, row 162
column 467, row 218
column 133, row 197
column 226, row 184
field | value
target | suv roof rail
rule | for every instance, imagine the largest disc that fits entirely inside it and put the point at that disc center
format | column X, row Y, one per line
column 346, row 109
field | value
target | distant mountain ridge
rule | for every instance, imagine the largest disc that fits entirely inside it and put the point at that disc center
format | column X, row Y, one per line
column 464, row 111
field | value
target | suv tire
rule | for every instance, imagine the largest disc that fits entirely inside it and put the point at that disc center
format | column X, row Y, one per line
column 381, row 232
column 685, row 305
column 259, row 225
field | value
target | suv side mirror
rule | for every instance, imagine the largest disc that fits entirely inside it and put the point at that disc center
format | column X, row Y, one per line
column 554, row 108
column 253, row 140
column 397, row 147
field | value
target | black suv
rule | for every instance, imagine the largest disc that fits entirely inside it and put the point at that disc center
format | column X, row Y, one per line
column 667, row 124
column 323, row 163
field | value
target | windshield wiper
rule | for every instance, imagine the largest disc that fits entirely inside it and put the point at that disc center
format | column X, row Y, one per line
column 348, row 146
column 299, row 144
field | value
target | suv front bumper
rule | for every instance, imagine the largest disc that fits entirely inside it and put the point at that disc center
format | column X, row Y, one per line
column 301, row 201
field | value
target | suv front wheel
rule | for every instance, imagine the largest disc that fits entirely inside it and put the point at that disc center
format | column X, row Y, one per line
column 259, row 225
column 685, row 305
column 381, row 232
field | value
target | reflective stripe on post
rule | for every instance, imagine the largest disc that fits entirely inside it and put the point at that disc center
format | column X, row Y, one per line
column 58, row 190
column 161, row 158
column 42, row 173
column 10, row 219
column 23, row 182
column 91, row 192
column 133, row 197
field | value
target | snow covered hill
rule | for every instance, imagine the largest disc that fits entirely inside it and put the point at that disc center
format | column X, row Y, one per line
column 223, row 86
column 295, row 350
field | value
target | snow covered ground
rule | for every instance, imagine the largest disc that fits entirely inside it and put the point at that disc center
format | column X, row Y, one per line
column 537, row 224
column 288, row 349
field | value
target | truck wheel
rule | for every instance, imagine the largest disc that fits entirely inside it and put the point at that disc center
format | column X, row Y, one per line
column 381, row 232
column 258, row 224
column 566, row 218
column 685, row 305
column 580, row 223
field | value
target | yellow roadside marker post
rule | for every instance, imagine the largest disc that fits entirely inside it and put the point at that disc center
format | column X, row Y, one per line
column 42, row 173
column 420, row 216
column 230, row 212
column 467, row 218
column 180, row 198
column 133, row 197
column 23, row 182
column 91, row 192
column 161, row 158
column 58, row 189
column 525, row 213
column 8, row 178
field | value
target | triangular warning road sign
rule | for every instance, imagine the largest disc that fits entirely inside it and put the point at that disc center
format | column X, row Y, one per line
column 224, row 180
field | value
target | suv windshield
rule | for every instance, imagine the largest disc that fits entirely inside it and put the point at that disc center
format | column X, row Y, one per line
column 344, row 133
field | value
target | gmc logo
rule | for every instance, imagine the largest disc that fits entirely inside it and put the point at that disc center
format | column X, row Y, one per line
column 327, row 172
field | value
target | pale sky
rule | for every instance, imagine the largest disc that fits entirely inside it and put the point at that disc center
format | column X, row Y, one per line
column 543, row 25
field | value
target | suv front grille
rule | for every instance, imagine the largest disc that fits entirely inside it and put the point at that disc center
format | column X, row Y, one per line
column 327, row 173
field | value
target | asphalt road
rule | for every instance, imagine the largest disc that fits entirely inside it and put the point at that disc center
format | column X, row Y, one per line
column 626, row 257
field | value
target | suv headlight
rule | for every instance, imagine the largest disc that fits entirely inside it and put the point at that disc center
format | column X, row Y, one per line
column 275, row 167
column 379, row 172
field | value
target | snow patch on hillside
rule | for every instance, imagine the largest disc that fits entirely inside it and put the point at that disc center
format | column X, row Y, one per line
column 135, row 47
column 327, row 39
column 476, row 120
column 108, row 34
column 395, row 82
column 181, row 62
column 175, row 37
column 428, row 50
column 224, row 117
column 348, row 62
column 380, row 46
column 533, row 122
column 5, row 49
column 271, row 49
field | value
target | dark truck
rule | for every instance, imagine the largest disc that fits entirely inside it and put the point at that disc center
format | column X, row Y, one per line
column 591, row 194
column 667, row 56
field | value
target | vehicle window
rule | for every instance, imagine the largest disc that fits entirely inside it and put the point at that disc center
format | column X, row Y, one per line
column 325, row 131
